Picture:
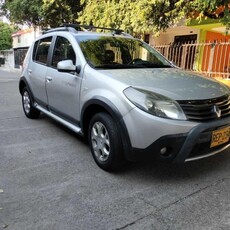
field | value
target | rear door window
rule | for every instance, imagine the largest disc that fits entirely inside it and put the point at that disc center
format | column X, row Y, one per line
column 41, row 50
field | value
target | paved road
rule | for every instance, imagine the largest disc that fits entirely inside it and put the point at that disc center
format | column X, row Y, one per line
column 49, row 181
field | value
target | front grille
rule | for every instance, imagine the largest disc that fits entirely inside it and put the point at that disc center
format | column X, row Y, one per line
column 202, row 110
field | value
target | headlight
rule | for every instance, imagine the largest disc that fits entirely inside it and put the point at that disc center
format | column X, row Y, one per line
column 155, row 104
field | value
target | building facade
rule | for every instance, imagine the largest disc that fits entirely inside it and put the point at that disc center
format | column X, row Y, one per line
column 22, row 40
column 199, row 46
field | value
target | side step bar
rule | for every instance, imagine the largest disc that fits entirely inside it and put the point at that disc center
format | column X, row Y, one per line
column 69, row 125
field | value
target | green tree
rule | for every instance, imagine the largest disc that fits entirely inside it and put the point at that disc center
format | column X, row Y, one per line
column 218, row 9
column 56, row 12
column 23, row 11
column 150, row 15
column 41, row 12
column 5, row 36
column 124, row 14
column 131, row 15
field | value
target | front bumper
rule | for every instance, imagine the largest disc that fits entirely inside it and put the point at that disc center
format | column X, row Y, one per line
column 185, row 147
column 197, row 143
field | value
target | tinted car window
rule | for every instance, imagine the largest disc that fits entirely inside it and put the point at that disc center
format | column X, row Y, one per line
column 115, row 52
column 35, row 50
column 63, row 51
column 41, row 50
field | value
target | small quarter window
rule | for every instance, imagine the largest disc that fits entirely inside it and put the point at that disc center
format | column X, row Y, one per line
column 41, row 50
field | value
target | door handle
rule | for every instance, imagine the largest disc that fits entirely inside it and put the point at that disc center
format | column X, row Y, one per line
column 49, row 79
column 29, row 71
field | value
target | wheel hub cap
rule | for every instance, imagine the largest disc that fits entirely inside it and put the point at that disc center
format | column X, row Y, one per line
column 26, row 102
column 100, row 141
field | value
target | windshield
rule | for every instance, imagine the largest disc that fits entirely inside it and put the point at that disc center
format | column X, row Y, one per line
column 117, row 52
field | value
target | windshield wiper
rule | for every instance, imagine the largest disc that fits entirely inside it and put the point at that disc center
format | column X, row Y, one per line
column 117, row 66
column 148, row 64
column 152, row 65
column 105, row 66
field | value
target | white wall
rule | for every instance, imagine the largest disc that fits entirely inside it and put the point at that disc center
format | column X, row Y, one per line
column 168, row 36
column 8, row 55
column 24, row 38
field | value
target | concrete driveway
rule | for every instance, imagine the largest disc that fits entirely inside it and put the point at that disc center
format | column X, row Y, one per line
column 48, row 180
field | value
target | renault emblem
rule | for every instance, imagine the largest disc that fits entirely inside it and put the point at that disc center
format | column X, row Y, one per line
column 217, row 111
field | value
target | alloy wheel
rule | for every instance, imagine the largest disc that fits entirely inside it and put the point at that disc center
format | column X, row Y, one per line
column 100, row 141
column 26, row 102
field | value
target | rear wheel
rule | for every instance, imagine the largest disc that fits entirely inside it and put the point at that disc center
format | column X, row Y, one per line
column 27, row 105
column 105, row 142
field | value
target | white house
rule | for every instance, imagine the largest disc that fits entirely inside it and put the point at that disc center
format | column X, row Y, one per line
column 22, row 39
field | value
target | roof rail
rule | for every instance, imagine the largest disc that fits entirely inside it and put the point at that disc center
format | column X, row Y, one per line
column 127, row 35
column 90, row 27
column 77, row 27
column 70, row 29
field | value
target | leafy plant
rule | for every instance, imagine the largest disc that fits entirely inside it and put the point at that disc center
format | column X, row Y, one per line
column 5, row 36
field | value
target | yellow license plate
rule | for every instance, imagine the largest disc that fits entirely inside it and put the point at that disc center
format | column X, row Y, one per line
column 220, row 137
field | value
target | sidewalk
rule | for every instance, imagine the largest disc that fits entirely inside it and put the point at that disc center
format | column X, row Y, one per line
column 9, row 69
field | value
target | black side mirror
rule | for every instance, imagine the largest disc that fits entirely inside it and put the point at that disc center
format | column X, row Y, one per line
column 78, row 69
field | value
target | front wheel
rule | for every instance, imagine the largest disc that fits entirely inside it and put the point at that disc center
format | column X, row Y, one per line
column 27, row 105
column 105, row 142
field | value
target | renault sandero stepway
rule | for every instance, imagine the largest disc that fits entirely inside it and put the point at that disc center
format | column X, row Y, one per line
column 124, row 97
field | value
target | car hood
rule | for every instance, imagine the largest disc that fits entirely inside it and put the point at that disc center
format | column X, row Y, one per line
column 171, row 82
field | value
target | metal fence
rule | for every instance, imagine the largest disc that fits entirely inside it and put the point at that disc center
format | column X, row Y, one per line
column 209, row 58
column 19, row 55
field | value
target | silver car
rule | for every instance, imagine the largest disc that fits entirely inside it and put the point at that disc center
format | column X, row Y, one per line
column 124, row 97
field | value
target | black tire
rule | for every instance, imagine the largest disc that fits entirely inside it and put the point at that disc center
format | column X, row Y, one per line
column 105, row 142
column 27, row 105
